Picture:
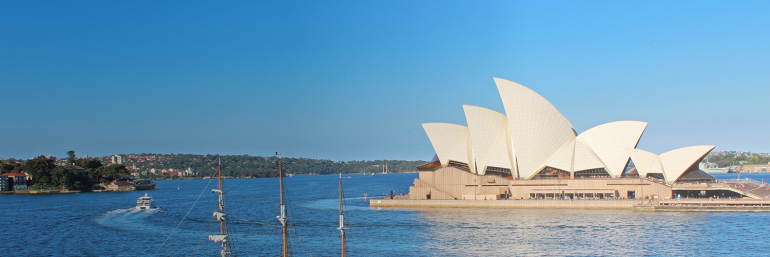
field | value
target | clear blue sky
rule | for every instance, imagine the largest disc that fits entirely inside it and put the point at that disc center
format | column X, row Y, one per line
column 354, row 80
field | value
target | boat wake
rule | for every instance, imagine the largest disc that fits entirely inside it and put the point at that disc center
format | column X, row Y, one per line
column 129, row 219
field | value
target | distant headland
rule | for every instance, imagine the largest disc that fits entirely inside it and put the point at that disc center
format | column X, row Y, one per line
column 72, row 174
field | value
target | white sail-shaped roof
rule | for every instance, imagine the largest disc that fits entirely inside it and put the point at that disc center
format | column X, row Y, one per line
column 500, row 157
column 657, row 167
column 643, row 161
column 450, row 141
column 538, row 129
column 488, row 132
column 676, row 162
column 585, row 158
column 671, row 164
column 533, row 134
column 610, row 140
column 564, row 157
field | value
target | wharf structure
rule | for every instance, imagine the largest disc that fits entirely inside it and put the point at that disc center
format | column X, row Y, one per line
column 531, row 156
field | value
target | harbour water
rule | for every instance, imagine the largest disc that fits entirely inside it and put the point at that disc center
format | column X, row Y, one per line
column 105, row 224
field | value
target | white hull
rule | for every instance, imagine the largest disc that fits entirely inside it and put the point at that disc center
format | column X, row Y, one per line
column 717, row 171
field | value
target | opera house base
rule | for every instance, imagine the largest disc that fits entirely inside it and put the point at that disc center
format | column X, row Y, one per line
column 707, row 205
column 545, row 204
column 454, row 187
column 451, row 183
column 451, row 187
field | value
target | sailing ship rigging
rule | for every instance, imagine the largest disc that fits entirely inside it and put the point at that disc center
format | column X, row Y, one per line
column 283, row 218
column 342, row 227
column 223, row 238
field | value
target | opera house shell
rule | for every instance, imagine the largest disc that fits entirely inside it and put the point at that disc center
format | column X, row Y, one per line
column 533, row 141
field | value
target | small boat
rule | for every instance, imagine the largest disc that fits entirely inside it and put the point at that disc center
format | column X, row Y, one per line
column 145, row 203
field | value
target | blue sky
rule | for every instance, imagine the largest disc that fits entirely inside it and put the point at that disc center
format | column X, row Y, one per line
column 354, row 80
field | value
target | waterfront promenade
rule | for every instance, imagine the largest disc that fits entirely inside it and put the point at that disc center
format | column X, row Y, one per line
column 534, row 203
column 704, row 204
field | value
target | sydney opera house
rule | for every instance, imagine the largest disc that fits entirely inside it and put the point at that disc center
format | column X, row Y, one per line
column 533, row 152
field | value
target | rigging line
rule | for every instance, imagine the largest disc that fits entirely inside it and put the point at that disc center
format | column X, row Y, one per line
column 231, row 227
column 254, row 222
column 228, row 191
column 202, row 239
column 347, row 218
column 253, row 199
column 291, row 210
column 183, row 218
column 245, row 182
column 300, row 241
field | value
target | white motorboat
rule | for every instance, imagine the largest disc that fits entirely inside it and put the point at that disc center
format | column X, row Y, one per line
column 145, row 203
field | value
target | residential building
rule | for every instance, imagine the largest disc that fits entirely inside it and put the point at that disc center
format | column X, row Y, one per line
column 18, row 181
column 756, row 168
column 117, row 159
column 5, row 184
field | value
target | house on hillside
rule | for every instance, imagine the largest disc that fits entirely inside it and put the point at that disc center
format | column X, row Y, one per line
column 121, row 186
column 18, row 181
column 5, row 184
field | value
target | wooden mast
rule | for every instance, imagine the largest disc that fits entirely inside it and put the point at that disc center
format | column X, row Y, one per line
column 342, row 221
column 221, row 203
column 283, row 218
column 223, row 237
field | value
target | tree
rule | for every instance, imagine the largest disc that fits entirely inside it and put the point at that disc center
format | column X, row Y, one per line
column 39, row 167
column 88, row 163
column 115, row 171
column 44, row 180
column 71, row 157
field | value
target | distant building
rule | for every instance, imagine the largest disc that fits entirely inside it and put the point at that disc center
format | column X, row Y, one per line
column 117, row 159
column 121, row 186
column 756, row 168
column 18, row 180
column 5, row 184
column 85, row 156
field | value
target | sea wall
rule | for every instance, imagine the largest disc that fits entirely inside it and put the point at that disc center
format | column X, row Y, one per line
column 549, row 204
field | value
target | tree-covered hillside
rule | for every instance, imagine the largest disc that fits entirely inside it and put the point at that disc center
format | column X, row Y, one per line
column 257, row 166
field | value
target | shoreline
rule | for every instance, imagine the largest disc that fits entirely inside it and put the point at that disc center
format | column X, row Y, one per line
column 537, row 204
column 293, row 175
column 39, row 192
column 632, row 204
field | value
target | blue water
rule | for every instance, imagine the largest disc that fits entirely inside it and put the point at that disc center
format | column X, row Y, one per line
column 105, row 224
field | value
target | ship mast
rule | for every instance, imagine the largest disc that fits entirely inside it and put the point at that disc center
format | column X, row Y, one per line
column 283, row 218
column 223, row 237
column 342, row 227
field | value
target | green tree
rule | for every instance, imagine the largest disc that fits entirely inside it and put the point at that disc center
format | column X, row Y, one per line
column 116, row 171
column 88, row 163
column 8, row 167
column 38, row 168
column 71, row 157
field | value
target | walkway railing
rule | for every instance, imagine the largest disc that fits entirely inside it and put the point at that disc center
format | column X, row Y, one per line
column 744, row 180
